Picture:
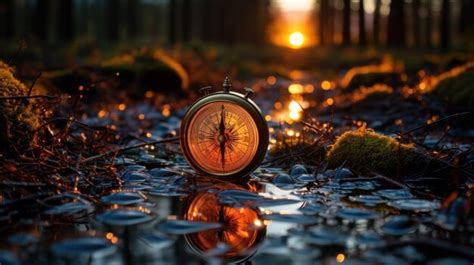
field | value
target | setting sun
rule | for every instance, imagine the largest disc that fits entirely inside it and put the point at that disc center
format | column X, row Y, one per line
column 296, row 39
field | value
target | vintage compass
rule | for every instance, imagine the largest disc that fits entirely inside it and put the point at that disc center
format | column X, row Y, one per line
column 224, row 133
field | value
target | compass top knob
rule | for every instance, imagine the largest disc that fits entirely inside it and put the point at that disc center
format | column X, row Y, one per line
column 227, row 85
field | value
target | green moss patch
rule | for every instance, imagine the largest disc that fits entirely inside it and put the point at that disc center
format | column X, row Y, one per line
column 457, row 90
column 18, row 117
column 366, row 151
column 369, row 75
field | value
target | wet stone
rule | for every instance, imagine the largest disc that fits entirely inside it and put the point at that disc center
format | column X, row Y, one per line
column 305, row 178
column 135, row 177
column 182, row 227
column 312, row 209
column 368, row 200
column 162, row 173
column 368, row 239
column 284, row 181
column 342, row 173
column 291, row 218
column 156, row 241
column 135, row 167
column 297, row 170
column 70, row 208
column 136, row 187
column 123, row 198
column 238, row 196
column 357, row 214
column 166, row 191
column 326, row 237
column 95, row 247
column 395, row 194
column 124, row 217
column 122, row 161
column 415, row 205
column 399, row 226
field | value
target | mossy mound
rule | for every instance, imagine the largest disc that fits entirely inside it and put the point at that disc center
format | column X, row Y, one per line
column 371, row 94
column 457, row 90
column 18, row 117
column 69, row 79
column 148, row 71
column 366, row 151
column 369, row 75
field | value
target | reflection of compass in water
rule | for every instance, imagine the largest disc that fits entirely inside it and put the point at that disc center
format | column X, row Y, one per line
column 242, row 228
column 224, row 134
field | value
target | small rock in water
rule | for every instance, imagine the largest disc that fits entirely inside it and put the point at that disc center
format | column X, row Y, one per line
column 70, row 208
column 326, row 237
column 135, row 177
column 305, row 178
column 416, row 205
column 123, row 198
column 399, row 226
column 395, row 194
column 369, row 200
column 156, row 241
column 291, row 218
column 342, row 173
column 182, row 227
column 160, row 172
column 83, row 248
column 284, row 181
column 357, row 214
column 135, row 167
column 297, row 170
column 124, row 217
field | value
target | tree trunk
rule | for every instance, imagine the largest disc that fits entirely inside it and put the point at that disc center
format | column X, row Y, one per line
column 346, row 23
column 65, row 22
column 445, row 26
column 112, row 20
column 173, row 9
column 362, row 39
column 429, row 22
column 132, row 26
column 7, row 14
column 323, row 18
column 42, row 19
column 186, row 20
column 416, row 22
column 376, row 29
column 396, row 23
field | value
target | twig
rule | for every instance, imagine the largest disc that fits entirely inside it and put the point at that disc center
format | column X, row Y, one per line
column 27, row 97
column 433, row 123
column 33, row 84
column 127, row 148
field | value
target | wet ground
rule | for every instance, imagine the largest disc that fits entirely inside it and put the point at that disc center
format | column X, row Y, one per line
column 166, row 214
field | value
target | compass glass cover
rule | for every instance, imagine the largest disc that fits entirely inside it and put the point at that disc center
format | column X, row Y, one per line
column 222, row 138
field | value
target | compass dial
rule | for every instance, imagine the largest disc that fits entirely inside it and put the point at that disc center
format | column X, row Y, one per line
column 222, row 137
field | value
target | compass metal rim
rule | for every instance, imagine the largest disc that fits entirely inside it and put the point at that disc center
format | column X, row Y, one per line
column 255, row 113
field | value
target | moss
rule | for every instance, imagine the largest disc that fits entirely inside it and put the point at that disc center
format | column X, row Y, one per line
column 457, row 89
column 18, row 118
column 369, row 75
column 150, row 70
column 366, row 151
column 373, row 93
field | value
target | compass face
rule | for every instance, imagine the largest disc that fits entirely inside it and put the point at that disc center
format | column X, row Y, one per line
column 223, row 138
